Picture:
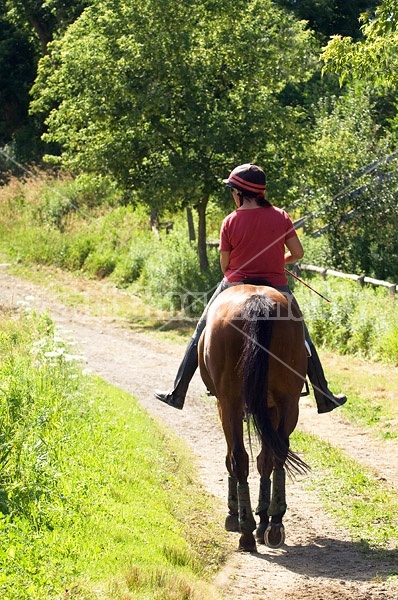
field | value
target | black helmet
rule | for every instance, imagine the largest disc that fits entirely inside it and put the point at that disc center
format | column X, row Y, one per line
column 247, row 178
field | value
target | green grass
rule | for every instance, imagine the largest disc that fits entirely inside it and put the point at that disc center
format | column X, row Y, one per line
column 368, row 508
column 371, row 389
column 96, row 498
column 361, row 322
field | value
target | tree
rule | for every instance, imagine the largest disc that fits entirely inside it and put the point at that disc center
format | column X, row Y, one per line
column 351, row 181
column 26, row 28
column 44, row 18
column 375, row 59
column 331, row 17
column 167, row 96
column 17, row 73
column 372, row 63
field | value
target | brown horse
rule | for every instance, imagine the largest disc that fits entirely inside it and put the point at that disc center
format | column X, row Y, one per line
column 253, row 358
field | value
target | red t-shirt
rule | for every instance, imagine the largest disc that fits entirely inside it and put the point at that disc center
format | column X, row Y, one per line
column 256, row 240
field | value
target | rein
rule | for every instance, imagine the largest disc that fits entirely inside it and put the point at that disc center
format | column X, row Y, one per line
column 306, row 284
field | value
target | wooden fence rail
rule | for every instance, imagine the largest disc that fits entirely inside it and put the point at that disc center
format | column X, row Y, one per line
column 361, row 279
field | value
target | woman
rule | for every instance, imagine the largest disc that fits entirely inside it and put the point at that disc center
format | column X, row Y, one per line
column 253, row 243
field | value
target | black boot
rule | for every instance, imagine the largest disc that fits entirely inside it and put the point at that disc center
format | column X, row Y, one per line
column 186, row 370
column 325, row 400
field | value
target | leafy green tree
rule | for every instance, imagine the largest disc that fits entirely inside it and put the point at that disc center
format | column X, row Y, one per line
column 167, row 96
column 374, row 59
column 331, row 17
column 352, row 176
column 373, row 62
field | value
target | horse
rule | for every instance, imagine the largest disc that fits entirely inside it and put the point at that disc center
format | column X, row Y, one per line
column 253, row 359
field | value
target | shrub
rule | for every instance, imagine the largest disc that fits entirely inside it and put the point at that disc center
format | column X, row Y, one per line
column 360, row 321
column 172, row 278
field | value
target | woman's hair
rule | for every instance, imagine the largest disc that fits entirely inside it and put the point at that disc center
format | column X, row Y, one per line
column 261, row 200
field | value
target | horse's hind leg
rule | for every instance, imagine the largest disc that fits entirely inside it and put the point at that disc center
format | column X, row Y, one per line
column 238, row 467
column 264, row 467
column 264, row 499
column 232, row 519
column 275, row 533
column 271, row 506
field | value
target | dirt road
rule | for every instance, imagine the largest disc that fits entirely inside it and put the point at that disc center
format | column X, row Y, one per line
column 318, row 562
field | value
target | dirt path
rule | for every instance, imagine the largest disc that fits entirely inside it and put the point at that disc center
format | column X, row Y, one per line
column 318, row 562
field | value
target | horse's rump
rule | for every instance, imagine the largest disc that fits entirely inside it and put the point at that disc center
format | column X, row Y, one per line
column 253, row 345
column 222, row 342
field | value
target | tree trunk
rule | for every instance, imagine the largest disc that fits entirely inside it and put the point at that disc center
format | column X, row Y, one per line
column 191, row 226
column 202, row 248
column 154, row 217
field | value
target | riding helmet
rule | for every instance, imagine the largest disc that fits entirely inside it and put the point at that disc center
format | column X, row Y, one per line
column 247, row 178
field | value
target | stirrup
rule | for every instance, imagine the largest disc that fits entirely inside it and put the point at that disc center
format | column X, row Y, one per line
column 306, row 390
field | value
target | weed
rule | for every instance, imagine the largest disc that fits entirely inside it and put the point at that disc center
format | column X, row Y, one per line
column 73, row 516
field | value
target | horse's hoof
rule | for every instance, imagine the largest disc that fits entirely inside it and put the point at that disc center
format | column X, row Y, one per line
column 260, row 532
column 247, row 543
column 232, row 523
column 275, row 535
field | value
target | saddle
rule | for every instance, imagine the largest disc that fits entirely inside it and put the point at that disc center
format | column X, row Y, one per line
column 256, row 281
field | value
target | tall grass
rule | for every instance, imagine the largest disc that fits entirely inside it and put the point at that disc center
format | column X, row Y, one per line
column 51, row 224
column 81, row 227
column 95, row 500
column 358, row 321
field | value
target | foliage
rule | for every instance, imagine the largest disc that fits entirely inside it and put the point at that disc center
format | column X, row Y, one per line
column 44, row 19
column 352, row 158
column 166, row 114
column 171, row 276
column 71, row 494
column 56, row 224
column 37, row 386
column 17, row 73
column 373, row 59
column 350, row 182
column 331, row 17
column 26, row 27
column 360, row 322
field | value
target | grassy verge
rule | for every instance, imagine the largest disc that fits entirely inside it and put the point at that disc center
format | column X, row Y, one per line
column 97, row 501
column 372, row 390
column 367, row 507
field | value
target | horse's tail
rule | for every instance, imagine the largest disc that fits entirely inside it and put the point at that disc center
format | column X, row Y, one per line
column 257, row 329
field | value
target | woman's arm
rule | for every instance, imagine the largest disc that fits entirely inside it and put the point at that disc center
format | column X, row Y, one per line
column 224, row 260
column 295, row 250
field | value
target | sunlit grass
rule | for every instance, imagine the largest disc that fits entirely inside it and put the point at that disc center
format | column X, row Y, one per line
column 95, row 497
column 371, row 389
column 368, row 508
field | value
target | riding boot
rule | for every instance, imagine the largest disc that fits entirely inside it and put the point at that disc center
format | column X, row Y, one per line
column 186, row 370
column 325, row 400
